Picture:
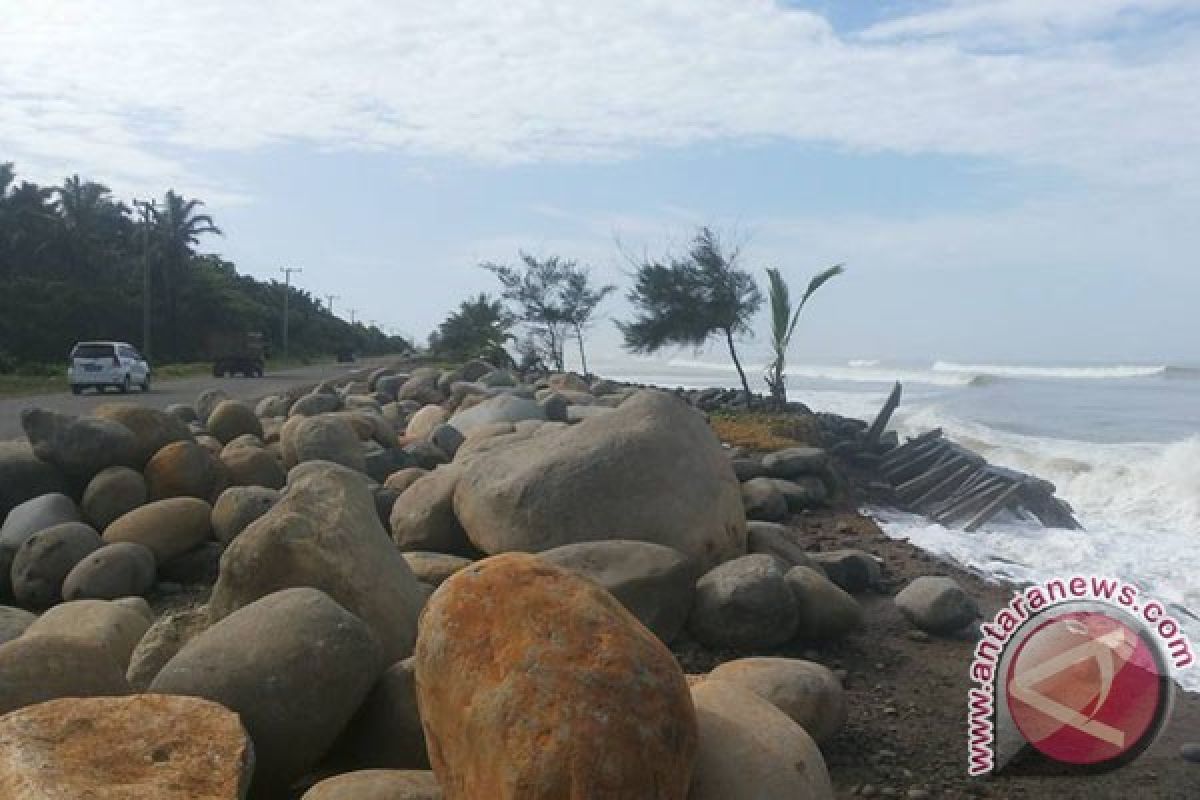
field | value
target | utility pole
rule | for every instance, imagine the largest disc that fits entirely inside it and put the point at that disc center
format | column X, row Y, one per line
column 147, row 209
column 287, row 289
column 329, row 298
column 353, row 311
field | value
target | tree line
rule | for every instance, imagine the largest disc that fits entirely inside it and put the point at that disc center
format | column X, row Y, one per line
column 72, row 264
column 678, row 301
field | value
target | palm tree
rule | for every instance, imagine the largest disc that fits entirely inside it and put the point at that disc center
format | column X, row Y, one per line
column 87, row 217
column 177, row 229
column 783, row 325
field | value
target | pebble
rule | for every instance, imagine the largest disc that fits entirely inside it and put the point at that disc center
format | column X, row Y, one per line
column 1190, row 752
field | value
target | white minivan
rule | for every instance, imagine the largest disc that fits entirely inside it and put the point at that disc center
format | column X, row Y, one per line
column 101, row 364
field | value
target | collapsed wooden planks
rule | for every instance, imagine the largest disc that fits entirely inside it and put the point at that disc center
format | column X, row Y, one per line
column 958, row 488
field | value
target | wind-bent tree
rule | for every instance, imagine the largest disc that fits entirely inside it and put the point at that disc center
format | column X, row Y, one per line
column 580, row 300
column 478, row 329
column 685, row 301
column 783, row 325
column 534, row 290
column 177, row 230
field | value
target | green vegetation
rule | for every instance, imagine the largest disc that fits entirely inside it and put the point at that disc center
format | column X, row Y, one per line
column 478, row 329
column 783, row 325
column 71, row 268
column 555, row 300
column 685, row 301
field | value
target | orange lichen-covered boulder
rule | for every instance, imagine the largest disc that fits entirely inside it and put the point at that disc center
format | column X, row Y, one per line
column 536, row 683
column 144, row 747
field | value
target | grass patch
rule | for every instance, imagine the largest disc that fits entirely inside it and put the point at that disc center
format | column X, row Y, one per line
column 763, row 430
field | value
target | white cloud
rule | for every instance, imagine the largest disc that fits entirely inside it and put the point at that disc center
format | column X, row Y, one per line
column 120, row 89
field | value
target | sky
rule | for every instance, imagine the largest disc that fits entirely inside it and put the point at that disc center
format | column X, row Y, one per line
column 1012, row 181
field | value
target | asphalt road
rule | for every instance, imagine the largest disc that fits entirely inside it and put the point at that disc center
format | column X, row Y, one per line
column 179, row 390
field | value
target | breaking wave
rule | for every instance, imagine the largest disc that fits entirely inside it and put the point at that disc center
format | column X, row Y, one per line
column 1130, row 371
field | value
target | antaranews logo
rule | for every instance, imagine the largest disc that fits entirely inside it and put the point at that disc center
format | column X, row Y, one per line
column 1079, row 670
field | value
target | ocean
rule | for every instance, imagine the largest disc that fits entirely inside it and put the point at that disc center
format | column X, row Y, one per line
column 1120, row 442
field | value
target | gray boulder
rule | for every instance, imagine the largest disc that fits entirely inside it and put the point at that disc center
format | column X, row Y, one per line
column 803, row 493
column 744, row 603
column 275, row 405
column 231, row 419
column 45, row 559
column 113, row 492
column 796, row 461
column 763, row 500
column 650, row 471
column 937, row 604
column 168, row 527
column 310, row 405
column 323, row 438
column 434, row 568
column 114, row 627
column 825, row 611
column 182, row 412
column 237, row 507
column 423, row 517
column 153, row 429
column 35, row 515
column 208, row 400
column 422, row 387
column 748, row 468
column 37, row 668
column 165, row 637
column 501, row 408
column 79, row 448
column 294, row 665
column 24, row 476
column 773, row 539
column 498, row 378
column 325, row 533
column 447, row 438
column 657, row 584
column 386, row 732
column 14, row 622
column 123, row 569
column 554, row 407
column 253, row 466
column 853, row 570
column 807, row 692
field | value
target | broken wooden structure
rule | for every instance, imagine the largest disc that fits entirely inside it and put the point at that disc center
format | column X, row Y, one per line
column 933, row 476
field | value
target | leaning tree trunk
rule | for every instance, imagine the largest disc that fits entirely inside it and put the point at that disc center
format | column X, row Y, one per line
column 582, row 356
column 737, row 364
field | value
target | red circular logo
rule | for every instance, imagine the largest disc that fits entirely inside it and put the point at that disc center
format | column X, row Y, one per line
column 1086, row 688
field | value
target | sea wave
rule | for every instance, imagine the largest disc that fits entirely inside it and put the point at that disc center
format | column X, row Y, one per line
column 1139, row 504
column 1018, row 371
column 863, row 362
column 849, row 374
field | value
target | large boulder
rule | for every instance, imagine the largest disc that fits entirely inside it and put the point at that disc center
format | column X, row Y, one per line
column 744, row 603
column 46, row 558
column 807, row 692
column 501, row 408
column 169, row 528
column 185, row 469
column 36, row 668
column 386, row 732
column 378, row 784
column 24, row 476
column 322, row 438
column 273, row 405
column 113, row 492
column 237, row 507
column 36, row 514
column 122, row 569
column 651, row 470
column 208, row 400
column 294, row 665
column 796, row 461
column 310, row 405
column 253, row 466
column 152, row 428
column 422, row 423
column 107, row 748
column 763, row 500
column 165, row 637
column 852, row 570
column 325, row 533
column 803, row 493
column 14, row 622
column 423, row 517
column 772, row 539
column 422, row 387
column 657, row 584
column 536, row 683
column 115, row 627
column 79, row 448
column 434, row 568
column 231, row 419
column 750, row 750
column 937, row 604
column 825, row 610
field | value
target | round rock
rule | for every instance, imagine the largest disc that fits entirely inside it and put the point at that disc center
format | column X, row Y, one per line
column 46, row 558
column 123, row 569
column 937, row 604
column 807, row 692
column 113, row 492
column 185, row 469
column 237, row 507
column 169, row 528
column 744, row 603
column 231, row 419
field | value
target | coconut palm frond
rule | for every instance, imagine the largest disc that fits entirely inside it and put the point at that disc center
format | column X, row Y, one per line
column 817, row 282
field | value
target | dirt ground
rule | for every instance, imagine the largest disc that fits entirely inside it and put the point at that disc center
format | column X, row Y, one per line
column 906, row 734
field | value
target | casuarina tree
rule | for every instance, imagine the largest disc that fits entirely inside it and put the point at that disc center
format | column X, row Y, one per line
column 783, row 325
column 685, row 301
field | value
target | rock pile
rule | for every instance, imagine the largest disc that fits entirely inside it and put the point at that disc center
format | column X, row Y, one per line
column 439, row 583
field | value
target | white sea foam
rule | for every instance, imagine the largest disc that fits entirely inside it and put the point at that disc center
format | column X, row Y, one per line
column 1139, row 504
column 1051, row 372
column 856, row 372
column 863, row 362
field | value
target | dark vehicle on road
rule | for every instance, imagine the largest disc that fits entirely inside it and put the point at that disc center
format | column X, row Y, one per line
column 237, row 353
